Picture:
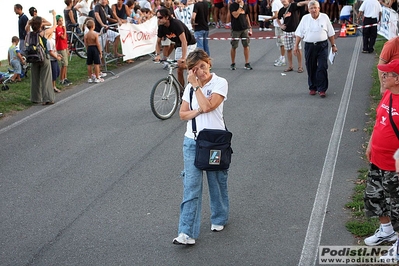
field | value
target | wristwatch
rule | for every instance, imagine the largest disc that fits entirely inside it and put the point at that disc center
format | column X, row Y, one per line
column 334, row 45
column 197, row 87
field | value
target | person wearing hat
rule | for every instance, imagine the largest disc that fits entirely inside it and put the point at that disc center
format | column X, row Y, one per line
column 381, row 197
column 389, row 52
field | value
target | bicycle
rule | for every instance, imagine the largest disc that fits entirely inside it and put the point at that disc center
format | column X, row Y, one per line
column 75, row 42
column 166, row 93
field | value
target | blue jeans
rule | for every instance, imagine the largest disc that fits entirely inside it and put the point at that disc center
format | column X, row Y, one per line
column 190, row 208
column 202, row 40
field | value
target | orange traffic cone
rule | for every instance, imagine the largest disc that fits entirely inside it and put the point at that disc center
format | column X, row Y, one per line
column 343, row 31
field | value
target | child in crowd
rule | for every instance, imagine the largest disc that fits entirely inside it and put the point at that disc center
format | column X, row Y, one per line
column 61, row 44
column 136, row 14
column 146, row 14
column 94, row 53
column 15, row 59
column 54, row 57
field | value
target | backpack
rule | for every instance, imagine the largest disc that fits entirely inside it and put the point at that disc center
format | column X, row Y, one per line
column 34, row 48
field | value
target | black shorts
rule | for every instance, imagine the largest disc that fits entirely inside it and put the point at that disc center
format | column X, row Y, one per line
column 55, row 69
column 219, row 5
column 93, row 55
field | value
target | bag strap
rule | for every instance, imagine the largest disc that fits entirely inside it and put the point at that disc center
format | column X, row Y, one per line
column 193, row 123
column 391, row 119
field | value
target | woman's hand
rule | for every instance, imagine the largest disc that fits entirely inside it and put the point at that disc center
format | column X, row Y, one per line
column 192, row 78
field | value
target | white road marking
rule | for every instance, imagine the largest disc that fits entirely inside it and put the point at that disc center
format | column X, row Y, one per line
column 316, row 222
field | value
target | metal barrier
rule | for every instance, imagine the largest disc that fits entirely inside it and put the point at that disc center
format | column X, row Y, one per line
column 107, row 56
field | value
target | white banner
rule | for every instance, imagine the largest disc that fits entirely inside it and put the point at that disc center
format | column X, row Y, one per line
column 184, row 15
column 138, row 39
column 389, row 23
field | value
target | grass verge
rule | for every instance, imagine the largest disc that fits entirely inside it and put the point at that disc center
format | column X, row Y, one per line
column 17, row 98
column 359, row 225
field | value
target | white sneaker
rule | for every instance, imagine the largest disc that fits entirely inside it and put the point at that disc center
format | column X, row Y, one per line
column 98, row 80
column 102, row 75
column 379, row 237
column 90, row 80
column 279, row 63
column 391, row 255
column 278, row 59
column 183, row 239
column 260, row 29
column 267, row 29
column 216, row 228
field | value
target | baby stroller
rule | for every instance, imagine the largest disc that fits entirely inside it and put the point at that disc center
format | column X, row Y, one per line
column 5, row 77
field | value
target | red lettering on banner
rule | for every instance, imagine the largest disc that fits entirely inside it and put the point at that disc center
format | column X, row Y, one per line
column 137, row 36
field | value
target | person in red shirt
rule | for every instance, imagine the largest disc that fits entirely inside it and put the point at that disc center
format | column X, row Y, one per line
column 61, row 44
column 389, row 52
column 381, row 197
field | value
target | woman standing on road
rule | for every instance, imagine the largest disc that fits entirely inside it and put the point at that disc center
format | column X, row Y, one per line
column 209, row 94
column 41, row 79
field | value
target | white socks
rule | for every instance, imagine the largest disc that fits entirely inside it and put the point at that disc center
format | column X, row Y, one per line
column 387, row 228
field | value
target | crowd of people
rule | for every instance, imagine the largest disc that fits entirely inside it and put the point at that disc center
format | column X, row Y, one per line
column 196, row 16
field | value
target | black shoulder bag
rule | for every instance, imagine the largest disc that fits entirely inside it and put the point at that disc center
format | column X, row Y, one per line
column 213, row 146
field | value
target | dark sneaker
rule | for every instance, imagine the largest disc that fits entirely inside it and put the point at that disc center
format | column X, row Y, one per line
column 248, row 66
column 67, row 82
column 233, row 66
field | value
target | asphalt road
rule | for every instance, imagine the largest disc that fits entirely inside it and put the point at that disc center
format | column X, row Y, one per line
column 95, row 178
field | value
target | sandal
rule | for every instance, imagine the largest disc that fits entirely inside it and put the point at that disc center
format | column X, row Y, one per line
column 288, row 69
column 300, row 69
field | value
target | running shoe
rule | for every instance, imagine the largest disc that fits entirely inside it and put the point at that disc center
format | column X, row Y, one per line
column 248, row 66
column 183, row 239
column 379, row 237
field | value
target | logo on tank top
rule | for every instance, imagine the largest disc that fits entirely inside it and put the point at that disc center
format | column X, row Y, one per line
column 383, row 119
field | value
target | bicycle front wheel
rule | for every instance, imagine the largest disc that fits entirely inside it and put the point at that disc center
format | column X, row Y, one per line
column 80, row 49
column 164, row 99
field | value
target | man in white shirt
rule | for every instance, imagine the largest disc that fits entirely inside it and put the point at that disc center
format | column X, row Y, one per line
column 315, row 29
column 371, row 12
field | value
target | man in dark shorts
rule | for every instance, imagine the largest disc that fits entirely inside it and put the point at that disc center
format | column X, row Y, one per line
column 240, row 28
